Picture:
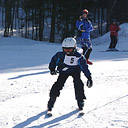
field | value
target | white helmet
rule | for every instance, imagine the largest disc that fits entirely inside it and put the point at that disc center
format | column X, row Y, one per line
column 69, row 43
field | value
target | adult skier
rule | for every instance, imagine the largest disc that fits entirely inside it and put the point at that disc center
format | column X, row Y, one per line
column 69, row 63
column 84, row 27
column 114, row 28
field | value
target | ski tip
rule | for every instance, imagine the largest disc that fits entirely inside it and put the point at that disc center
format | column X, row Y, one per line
column 49, row 114
column 81, row 113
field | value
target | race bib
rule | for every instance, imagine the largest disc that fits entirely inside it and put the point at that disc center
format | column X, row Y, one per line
column 71, row 60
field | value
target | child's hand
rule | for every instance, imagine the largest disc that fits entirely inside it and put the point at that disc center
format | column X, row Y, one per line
column 89, row 83
column 54, row 72
column 80, row 18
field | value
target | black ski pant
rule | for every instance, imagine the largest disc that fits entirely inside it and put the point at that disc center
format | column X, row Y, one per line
column 59, row 84
column 113, row 42
column 88, row 52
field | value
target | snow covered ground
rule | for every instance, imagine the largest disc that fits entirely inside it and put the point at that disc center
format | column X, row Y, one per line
column 25, row 83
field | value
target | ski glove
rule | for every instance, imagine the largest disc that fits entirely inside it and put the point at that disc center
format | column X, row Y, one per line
column 53, row 72
column 89, row 83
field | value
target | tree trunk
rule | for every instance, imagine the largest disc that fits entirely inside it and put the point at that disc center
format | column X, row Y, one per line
column 40, row 24
column 26, row 22
column 52, row 32
column 99, row 20
column 12, row 17
column 7, row 18
column 33, row 23
column 94, row 14
column 2, row 15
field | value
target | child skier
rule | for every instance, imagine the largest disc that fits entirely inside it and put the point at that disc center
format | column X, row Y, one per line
column 114, row 28
column 84, row 27
column 69, row 63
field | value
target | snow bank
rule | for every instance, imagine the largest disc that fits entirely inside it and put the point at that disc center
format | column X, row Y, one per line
column 105, row 39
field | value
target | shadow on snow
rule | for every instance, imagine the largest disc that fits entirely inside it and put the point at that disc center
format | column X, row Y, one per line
column 51, row 122
column 55, row 122
column 20, row 76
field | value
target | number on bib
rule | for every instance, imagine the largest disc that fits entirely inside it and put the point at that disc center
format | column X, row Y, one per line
column 72, row 60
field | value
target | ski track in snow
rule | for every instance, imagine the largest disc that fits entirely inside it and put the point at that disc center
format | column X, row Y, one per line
column 25, row 82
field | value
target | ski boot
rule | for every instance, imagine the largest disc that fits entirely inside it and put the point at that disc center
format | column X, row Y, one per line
column 81, row 106
column 50, row 105
column 89, row 62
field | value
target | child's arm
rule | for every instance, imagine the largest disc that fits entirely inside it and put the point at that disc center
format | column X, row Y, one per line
column 119, row 28
column 84, row 67
column 53, row 63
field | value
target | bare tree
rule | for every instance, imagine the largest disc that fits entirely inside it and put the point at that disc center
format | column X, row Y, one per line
column 52, row 32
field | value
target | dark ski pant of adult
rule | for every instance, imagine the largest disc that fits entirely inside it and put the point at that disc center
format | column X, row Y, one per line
column 113, row 42
column 58, row 85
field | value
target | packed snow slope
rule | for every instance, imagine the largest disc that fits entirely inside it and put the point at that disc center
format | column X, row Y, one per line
column 25, row 82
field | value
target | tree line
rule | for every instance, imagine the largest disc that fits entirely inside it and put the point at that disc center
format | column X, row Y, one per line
column 38, row 19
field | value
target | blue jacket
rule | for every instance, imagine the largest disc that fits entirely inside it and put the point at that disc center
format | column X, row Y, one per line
column 69, row 64
column 86, row 25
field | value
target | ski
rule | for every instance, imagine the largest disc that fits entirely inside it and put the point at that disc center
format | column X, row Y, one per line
column 115, row 51
column 79, row 114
